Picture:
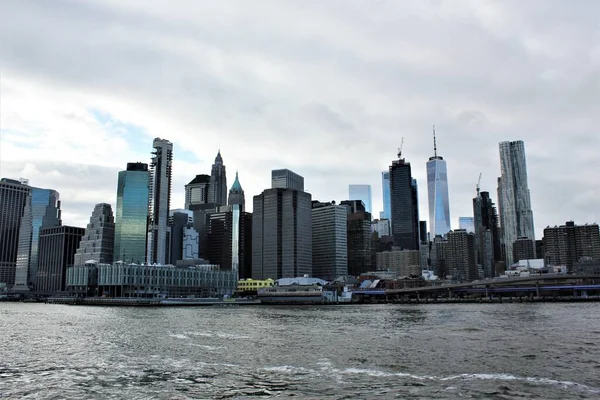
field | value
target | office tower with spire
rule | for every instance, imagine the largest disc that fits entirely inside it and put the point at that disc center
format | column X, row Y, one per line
column 159, row 201
column 217, row 190
column 361, row 192
column 13, row 197
column 437, row 188
column 516, row 215
column 98, row 242
column 42, row 210
column 404, row 205
column 385, row 185
column 131, row 222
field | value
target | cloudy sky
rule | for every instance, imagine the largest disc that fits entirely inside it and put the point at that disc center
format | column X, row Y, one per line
column 325, row 88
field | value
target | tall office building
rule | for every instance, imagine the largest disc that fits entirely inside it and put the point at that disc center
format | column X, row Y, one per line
column 404, row 205
column 515, row 203
column 286, row 179
column 57, row 253
column 131, row 220
column 387, row 205
column 437, row 188
column 423, row 237
column 13, row 197
column 196, row 192
column 361, row 192
column 461, row 256
column 361, row 257
column 183, row 242
column 487, row 235
column 282, row 230
column 159, row 203
column 217, row 190
column 42, row 210
column 466, row 223
column 329, row 240
column 98, row 242
column 569, row 244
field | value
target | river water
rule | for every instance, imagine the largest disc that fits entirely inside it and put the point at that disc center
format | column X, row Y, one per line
column 478, row 351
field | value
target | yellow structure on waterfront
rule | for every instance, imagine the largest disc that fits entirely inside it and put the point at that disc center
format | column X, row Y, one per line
column 245, row 285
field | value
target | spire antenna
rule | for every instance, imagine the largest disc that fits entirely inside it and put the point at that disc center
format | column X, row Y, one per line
column 400, row 148
column 434, row 143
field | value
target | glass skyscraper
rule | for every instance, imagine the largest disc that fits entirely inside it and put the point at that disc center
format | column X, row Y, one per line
column 405, row 208
column 437, row 188
column 385, row 184
column 361, row 192
column 131, row 224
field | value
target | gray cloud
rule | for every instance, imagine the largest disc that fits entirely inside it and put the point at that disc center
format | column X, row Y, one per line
column 325, row 88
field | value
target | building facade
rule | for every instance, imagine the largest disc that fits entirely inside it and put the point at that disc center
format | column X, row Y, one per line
column 196, row 192
column 180, row 220
column 361, row 192
column 437, row 189
column 567, row 244
column 217, row 190
column 461, row 256
column 403, row 262
column 467, row 223
column 286, row 179
column 42, row 210
column 131, row 219
column 159, row 203
column 99, row 239
column 360, row 242
column 281, row 234
column 57, row 253
column 523, row 249
column 404, row 206
column 387, row 202
column 329, row 241
column 487, row 234
column 515, row 202
column 13, row 197
column 381, row 226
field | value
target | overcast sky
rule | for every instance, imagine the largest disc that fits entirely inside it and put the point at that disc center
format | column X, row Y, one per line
column 325, row 88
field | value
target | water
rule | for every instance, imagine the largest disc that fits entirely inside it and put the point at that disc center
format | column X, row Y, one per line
column 478, row 351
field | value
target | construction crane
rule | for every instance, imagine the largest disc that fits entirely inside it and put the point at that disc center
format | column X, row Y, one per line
column 400, row 148
column 478, row 183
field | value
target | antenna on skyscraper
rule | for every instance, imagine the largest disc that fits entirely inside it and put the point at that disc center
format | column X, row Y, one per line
column 400, row 148
column 478, row 183
column 434, row 144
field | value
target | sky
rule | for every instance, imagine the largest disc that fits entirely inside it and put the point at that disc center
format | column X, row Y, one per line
column 327, row 89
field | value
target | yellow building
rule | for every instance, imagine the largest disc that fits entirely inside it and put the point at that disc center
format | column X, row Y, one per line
column 249, row 285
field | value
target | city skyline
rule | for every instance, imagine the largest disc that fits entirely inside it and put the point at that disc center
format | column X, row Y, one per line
column 62, row 126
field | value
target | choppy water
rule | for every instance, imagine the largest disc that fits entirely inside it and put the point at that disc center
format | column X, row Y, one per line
column 503, row 351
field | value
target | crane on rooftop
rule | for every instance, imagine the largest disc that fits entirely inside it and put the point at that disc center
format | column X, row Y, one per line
column 478, row 183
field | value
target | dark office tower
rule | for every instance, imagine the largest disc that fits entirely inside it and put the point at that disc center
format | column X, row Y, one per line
column 360, row 242
column 405, row 209
column 523, row 249
column 13, row 197
column 281, row 234
column 354, row 206
column 180, row 221
column 439, row 256
column 196, row 192
column 57, row 253
column 236, row 194
column 487, row 235
column 329, row 240
column 423, row 237
column 159, row 201
column 461, row 257
column 42, row 210
column 229, row 240
column 131, row 220
column 286, row 179
column 568, row 244
column 98, row 242
column 217, row 190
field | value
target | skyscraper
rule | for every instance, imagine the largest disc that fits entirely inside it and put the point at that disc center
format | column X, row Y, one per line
column 286, row 179
column 217, row 191
column 131, row 222
column 13, row 197
column 57, row 253
column 361, row 192
column 360, row 239
column 487, row 235
column 387, row 205
column 404, row 205
column 569, row 244
column 196, row 192
column 515, row 204
column 159, row 202
column 180, row 221
column 461, row 255
column 42, row 210
column 236, row 194
column 98, row 242
column 282, row 232
column 329, row 240
column 437, row 188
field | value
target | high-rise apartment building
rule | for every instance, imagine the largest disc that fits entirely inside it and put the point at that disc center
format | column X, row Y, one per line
column 159, row 203
column 568, row 244
column 437, row 189
column 387, row 205
column 467, row 223
column 523, row 249
column 461, row 255
column 13, row 197
column 196, row 192
column 131, row 220
column 513, row 191
column 404, row 205
column 98, row 242
column 286, row 179
column 361, row 192
column 487, row 235
column 282, row 233
column 329, row 240
column 217, row 190
column 57, row 253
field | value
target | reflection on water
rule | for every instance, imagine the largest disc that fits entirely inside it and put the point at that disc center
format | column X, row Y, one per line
column 502, row 351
